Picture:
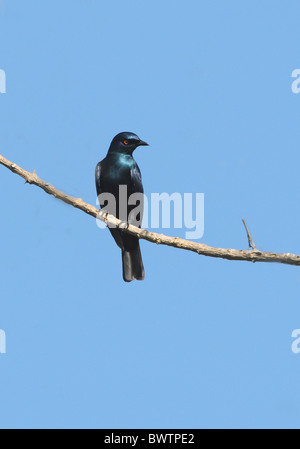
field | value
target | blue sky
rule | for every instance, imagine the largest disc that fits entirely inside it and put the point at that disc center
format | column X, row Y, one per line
column 201, row 343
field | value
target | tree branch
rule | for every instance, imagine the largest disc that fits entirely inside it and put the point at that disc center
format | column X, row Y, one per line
column 253, row 255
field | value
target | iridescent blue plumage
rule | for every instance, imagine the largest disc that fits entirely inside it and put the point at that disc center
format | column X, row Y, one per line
column 120, row 169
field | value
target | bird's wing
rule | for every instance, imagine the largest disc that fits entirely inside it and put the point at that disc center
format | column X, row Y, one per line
column 98, row 178
column 136, row 186
column 115, row 232
column 136, row 180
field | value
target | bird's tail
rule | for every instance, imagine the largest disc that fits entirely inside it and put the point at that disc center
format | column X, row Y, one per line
column 133, row 267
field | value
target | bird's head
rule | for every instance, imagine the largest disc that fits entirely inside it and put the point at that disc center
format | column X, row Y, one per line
column 125, row 142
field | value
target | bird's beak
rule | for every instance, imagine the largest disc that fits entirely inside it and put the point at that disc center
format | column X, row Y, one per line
column 142, row 143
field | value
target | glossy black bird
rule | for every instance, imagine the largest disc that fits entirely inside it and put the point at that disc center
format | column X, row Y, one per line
column 120, row 169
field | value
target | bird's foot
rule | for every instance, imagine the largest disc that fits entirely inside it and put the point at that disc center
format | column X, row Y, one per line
column 123, row 225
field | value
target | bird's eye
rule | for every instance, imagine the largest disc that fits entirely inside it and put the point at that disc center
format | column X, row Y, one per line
column 125, row 142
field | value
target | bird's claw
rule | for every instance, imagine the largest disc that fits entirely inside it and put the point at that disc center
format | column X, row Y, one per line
column 123, row 225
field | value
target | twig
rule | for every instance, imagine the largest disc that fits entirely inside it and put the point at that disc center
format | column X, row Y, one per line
column 250, row 241
column 199, row 248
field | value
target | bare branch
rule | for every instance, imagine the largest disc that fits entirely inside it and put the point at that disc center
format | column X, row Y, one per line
column 199, row 248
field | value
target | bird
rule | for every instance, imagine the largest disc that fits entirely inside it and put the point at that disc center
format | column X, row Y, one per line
column 119, row 168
